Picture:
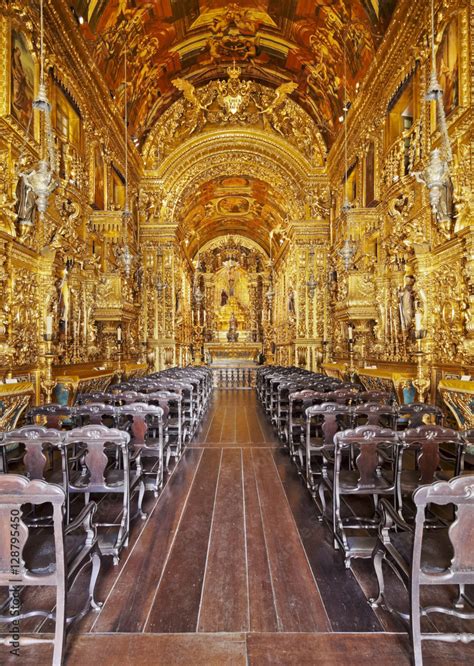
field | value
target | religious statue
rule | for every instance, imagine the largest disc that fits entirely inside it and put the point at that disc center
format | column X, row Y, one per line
column 224, row 297
column 232, row 333
column 25, row 200
column 291, row 302
column 406, row 300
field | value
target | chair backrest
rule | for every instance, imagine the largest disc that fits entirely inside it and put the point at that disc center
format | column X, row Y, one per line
column 129, row 397
column 382, row 397
column 139, row 415
column 35, row 440
column 375, row 413
column 460, row 492
column 15, row 491
column 344, row 396
column 425, row 440
column 52, row 415
column 95, row 413
column 95, row 438
column 417, row 413
column 332, row 418
column 95, row 396
column 367, row 441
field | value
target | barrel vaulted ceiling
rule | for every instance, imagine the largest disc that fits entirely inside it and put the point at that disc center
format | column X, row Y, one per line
column 273, row 41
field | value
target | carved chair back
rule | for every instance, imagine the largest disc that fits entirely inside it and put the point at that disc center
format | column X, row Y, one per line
column 96, row 396
column 418, row 413
column 52, row 415
column 375, row 413
column 329, row 417
column 95, row 414
column 382, row 397
column 95, row 442
column 15, row 491
column 36, row 442
column 141, row 417
column 129, row 397
column 425, row 442
column 368, row 444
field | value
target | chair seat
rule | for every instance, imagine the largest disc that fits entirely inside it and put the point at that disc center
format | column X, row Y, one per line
column 39, row 552
column 348, row 484
column 114, row 478
column 436, row 551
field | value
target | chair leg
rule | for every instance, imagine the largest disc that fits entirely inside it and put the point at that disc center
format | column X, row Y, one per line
column 60, row 629
column 96, row 563
column 377, row 560
column 415, row 624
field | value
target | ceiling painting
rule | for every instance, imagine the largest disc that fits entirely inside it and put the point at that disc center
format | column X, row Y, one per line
column 274, row 42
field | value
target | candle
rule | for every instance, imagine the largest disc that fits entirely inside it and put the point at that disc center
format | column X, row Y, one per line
column 119, row 334
column 349, row 332
column 49, row 325
column 418, row 324
column 204, row 316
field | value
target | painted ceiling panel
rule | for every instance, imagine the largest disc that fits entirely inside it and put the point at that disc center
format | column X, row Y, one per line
column 273, row 41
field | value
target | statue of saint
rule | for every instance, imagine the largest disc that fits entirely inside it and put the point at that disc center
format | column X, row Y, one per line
column 224, row 297
column 406, row 301
column 25, row 200
column 232, row 334
column 291, row 302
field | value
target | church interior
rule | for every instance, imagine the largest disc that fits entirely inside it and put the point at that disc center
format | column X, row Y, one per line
column 236, row 332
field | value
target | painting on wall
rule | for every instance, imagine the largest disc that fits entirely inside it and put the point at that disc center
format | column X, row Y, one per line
column 99, row 179
column 447, row 62
column 370, row 175
column 22, row 79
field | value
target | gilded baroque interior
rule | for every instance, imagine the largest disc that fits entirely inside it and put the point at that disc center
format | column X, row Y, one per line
column 264, row 138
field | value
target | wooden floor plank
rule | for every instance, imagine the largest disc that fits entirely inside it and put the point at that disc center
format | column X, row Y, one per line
column 176, row 605
column 140, row 650
column 127, row 606
column 343, row 598
column 261, row 601
column 336, row 649
column 224, row 603
column 297, row 598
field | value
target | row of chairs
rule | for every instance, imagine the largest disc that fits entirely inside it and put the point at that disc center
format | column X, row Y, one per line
column 110, row 446
column 382, row 476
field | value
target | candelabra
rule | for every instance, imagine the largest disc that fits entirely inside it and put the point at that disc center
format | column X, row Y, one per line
column 422, row 382
column 198, row 337
column 351, row 369
column 47, row 382
column 119, row 360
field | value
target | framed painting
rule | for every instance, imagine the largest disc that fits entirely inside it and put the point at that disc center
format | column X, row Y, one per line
column 22, row 80
column 99, row 179
column 447, row 61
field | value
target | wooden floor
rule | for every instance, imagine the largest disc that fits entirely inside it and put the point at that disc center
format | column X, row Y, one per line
column 232, row 567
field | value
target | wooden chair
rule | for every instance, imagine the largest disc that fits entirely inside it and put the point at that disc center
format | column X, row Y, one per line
column 367, row 445
column 298, row 402
column 145, row 423
column 418, row 460
column 175, row 428
column 422, row 557
column 98, row 476
column 322, row 423
column 44, row 557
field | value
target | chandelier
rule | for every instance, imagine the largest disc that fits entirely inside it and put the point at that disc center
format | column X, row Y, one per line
column 436, row 175
column 126, row 257
column 349, row 247
column 41, row 180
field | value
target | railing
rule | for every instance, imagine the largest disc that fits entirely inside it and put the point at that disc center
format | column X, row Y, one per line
column 234, row 378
